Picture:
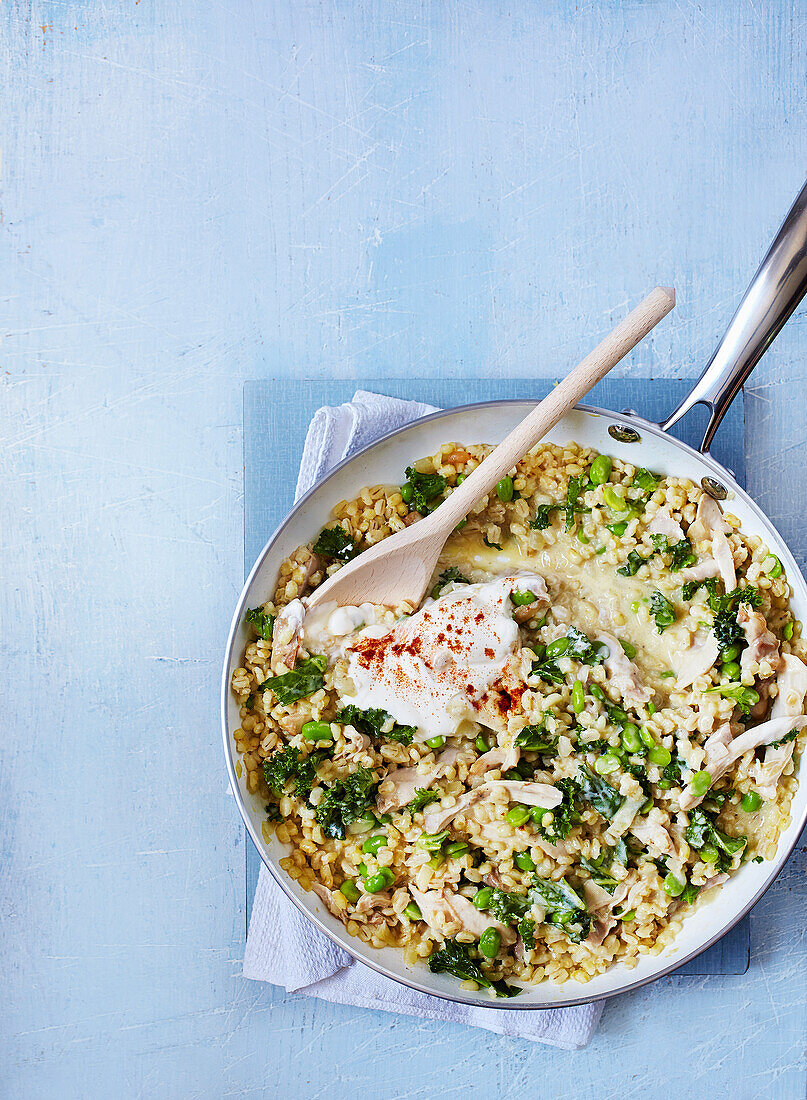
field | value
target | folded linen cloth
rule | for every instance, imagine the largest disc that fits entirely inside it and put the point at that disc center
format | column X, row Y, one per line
column 283, row 947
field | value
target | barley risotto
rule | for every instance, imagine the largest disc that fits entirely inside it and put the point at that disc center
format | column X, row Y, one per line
column 591, row 722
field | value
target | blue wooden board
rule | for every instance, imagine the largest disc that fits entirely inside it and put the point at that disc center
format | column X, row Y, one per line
column 276, row 419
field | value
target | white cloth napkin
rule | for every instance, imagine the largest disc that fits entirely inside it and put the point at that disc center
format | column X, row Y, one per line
column 282, row 946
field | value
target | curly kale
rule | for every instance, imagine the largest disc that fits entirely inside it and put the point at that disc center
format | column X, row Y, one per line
column 597, row 792
column 634, row 563
column 564, row 907
column 375, row 724
column 261, row 622
column 564, row 816
column 600, row 868
column 536, row 738
column 662, row 611
column 581, row 648
column 492, row 545
column 681, row 552
column 337, row 544
column 744, row 697
column 345, row 801
column 702, row 833
column 299, row 683
column 506, row 907
column 422, row 489
column 423, row 797
column 455, row 958
column 646, row 481
column 571, row 507
column 289, row 764
column 452, row 575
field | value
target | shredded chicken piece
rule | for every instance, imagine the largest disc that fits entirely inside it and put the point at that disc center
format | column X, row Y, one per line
column 696, row 660
column 789, row 703
column 623, row 673
column 557, row 850
column 602, row 904
column 409, row 780
column 286, row 636
column 663, row 523
column 475, row 921
column 528, row 611
column 326, row 895
column 443, row 908
column 655, row 836
column 706, row 567
column 762, row 645
column 528, row 793
column 436, row 820
column 502, row 758
column 710, row 524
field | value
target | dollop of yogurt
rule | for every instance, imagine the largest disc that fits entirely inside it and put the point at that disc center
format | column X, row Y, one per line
column 430, row 669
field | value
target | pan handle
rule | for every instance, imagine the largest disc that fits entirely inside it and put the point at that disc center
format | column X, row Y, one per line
column 775, row 291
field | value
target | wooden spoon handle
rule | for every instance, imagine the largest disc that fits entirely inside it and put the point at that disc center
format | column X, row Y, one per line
column 546, row 415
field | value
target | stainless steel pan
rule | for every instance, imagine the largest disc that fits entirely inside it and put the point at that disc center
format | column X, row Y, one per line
column 774, row 293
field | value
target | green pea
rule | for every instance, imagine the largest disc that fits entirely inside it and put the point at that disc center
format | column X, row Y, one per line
column 614, row 501
column 751, row 801
column 673, row 886
column 460, row 479
column 601, row 469
column 606, row 764
column 774, row 570
column 524, row 861
column 350, row 890
column 482, row 744
column 731, row 670
column 482, row 898
column 731, row 652
column 787, row 632
column 436, row 742
column 578, row 697
column 373, row 843
column 380, row 881
column 635, row 605
column 651, row 708
column 660, row 756
column 457, row 848
column 521, row 599
column 631, row 739
column 519, row 815
column 504, row 490
column 598, row 693
column 317, row 731
column 647, row 737
column 413, row 911
column 557, row 648
column 628, row 649
column 700, row 783
column 709, row 854
column 407, row 492
column 489, row 942
column 618, row 529
column 436, row 862
column 538, row 813
column 364, row 823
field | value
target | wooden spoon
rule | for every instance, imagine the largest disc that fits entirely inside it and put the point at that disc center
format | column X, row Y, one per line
column 400, row 567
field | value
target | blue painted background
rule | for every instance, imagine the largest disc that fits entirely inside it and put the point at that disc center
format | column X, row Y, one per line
column 194, row 195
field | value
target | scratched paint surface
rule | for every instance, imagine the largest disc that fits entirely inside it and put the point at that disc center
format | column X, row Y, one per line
column 197, row 194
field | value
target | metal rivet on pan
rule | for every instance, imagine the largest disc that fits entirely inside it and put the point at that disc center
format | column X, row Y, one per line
column 714, row 488
column 623, row 434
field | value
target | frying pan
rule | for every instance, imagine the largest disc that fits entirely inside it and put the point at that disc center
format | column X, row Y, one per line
column 774, row 293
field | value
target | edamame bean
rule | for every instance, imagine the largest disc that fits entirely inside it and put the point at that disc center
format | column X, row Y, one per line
column 601, row 469
column 631, row 739
column 787, row 630
column 627, row 648
column 317, row 731
column 731, row 653
column 660, row 756
column 673, row 886
column 775, row 569
column 700, row 783
column 651, row 708
column 460, row 479
column 751, row 801
column 521, row 599
column 456, row 848
column 628, row 916
column 481, row 744
column 614, row 501
column 373, row 843
column 709, row 854
column 578, row 697
column 618, row 529
column 597, row 692
column 647, row 737
column 436, row 862
column 524, row 861
column 606, row 764
column 364, row 823
column 407, row 492
column 436, row 742
column 350, row 890
column 413, row 911
column 537, row 814
column 380, row 881
column 482, row 898
column 519, row 815
column 731, row 670
column 504, row 490
column 489, row 942
column 557, row 648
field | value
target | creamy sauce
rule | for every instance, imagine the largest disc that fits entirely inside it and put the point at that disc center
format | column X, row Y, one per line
column 595, row 595
column 430, row 669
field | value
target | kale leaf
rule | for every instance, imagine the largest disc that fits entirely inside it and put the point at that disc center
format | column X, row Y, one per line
column 702, row 832
column 336, row 543
column 423, row 797
column 425, row 487
column 526, row 929
column 597, row 792
column 599, row 868
column 452, row 575
column 744, row 697
column 508, row 908
column 785, row 740
column 492, row 545
column 633, row 564
column 299, row 683
column 455, row 958
column 564, row 907
column 662, row 611
column 345, row 801
column 376, row 723
column 289, row 763
column 646, row 481
column 581, row 648
column 565, row 815
column 682, row 555
column 543, row 516
column 536, row 738
column 571, row 506
column 261, row 621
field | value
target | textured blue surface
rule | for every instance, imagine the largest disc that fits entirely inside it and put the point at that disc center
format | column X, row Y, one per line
column 276, row 419
column 198, row 194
